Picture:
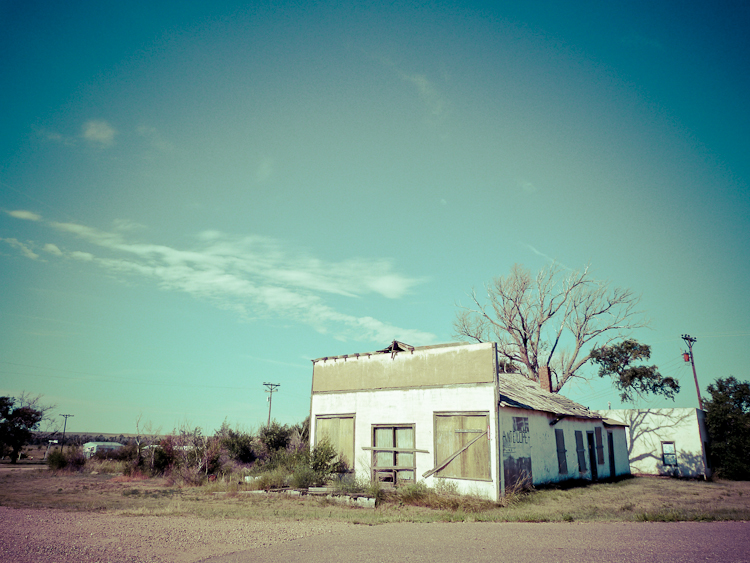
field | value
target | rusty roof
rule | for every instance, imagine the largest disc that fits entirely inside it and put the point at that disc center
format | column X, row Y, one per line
column 522, row 393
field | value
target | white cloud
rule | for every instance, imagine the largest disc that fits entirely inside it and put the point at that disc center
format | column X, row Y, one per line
column 53, row 249
column 26, row 215
column 24, row 248
column 253, row 275
column 527, row 187
column 99, row 132
column 84, row 256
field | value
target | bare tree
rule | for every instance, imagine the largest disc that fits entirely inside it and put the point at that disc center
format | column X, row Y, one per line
column 550, row 320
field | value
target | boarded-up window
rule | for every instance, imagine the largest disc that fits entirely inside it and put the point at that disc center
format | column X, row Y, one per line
column 599, row 446
column 339, row 429
column 581, row 452
column 393, row 453
column 462, row 439
column 562, row 462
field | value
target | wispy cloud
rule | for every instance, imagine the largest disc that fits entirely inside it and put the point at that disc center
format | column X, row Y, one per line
column 545, row 256
column 425, row 88
column 427, row 92
column 526, row 186
column 155, row 139
column 253, row 275
column 26, row 215
column 25, row 249
column 98, row 132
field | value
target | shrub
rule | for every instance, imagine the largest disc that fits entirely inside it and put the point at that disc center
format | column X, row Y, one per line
column 74, row 460
column 239, row 445
column 56, row 460
column 275, row 437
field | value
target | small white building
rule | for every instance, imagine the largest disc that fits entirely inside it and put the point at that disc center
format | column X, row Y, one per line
column 405, row 414
column 666, row 441
column 90, row 449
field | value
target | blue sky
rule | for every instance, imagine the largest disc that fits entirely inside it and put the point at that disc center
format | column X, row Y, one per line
column 197, row 198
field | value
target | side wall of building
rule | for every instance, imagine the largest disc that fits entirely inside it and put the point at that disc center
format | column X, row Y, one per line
column 549, row 453
column 665, row 441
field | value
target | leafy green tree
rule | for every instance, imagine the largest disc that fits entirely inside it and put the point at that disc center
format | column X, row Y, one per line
column 728, row 425
column 275, row 436
column 17, row 424
column 616, row 361
column 240, row 446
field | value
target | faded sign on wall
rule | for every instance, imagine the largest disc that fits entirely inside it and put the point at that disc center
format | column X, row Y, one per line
column 517, row 453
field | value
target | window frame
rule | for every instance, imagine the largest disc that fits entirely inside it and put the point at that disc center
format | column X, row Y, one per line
column 393, row 473
column 665, row 454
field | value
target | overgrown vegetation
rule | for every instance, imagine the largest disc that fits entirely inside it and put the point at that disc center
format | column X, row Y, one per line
column 276, row 457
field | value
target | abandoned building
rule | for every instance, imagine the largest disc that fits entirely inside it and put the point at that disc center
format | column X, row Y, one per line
column 406, row 414
column 666, row 441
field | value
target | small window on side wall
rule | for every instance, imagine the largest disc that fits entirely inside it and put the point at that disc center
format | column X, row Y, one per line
column 668, row 453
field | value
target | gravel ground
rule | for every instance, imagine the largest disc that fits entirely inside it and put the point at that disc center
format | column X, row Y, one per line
column 53, row 536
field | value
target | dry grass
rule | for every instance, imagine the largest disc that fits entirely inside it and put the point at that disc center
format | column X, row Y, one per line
column 638, row 499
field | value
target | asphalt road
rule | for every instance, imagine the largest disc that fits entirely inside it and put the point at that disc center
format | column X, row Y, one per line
column 727, row 542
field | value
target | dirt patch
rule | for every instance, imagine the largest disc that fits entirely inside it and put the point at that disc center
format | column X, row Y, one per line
column 46, row 536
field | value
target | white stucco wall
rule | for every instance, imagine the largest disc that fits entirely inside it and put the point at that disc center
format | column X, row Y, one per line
column 545, row 467
column 650, row 427
column 412, row 406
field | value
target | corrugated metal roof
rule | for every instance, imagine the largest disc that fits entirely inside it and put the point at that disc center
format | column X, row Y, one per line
column 522, row 393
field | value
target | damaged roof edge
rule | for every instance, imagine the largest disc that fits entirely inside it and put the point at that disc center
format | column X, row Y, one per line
column 394, row 347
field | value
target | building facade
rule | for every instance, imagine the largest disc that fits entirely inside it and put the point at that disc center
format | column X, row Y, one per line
column 406, row 414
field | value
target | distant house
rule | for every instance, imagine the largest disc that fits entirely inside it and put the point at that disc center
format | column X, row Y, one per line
column 405, row 414
column 666, row 441
column 90, row 449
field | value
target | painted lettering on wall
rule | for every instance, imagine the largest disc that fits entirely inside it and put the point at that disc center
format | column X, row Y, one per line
column 517, row 453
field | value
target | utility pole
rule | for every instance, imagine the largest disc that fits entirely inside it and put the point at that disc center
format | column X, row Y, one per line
column 270, row 389
column 689, row 340
column 62, row 442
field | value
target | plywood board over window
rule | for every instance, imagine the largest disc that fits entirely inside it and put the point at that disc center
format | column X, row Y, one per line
column 462, row 448
column 339, row 429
